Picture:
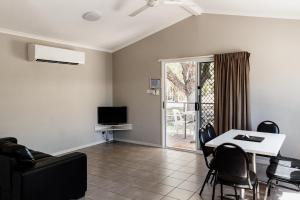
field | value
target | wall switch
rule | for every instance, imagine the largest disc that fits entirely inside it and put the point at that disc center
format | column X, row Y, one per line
column 153, row 92
column 149, row 91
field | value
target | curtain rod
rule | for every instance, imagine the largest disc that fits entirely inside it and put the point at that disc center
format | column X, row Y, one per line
column 209, row 57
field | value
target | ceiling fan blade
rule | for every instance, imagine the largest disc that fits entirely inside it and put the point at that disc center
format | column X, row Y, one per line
column 188, row 5
column 174, row 2
column 138, row 11
column 192, row 9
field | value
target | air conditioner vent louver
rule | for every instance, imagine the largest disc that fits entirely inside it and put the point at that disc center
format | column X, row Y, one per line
column 59, row 62
column 42, row 53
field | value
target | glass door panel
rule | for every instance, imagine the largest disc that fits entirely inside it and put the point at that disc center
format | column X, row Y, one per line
column 181, row 104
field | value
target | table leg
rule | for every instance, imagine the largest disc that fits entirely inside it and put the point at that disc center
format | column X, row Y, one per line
column 254, row 162
column 242, row 193
column 254, row 170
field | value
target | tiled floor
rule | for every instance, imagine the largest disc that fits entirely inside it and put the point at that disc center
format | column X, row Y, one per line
column 121, row 171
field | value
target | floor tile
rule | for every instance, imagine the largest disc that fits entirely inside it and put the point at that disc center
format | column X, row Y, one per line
column 168, row 198
column 101, row 194
column 180, row 194
column 196, row 179
column 190, row 186
column 139, row 194
column 180, row 175
column 161, row 189
column 171, row 181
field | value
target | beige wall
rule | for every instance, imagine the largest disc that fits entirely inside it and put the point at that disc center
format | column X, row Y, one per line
column 51, row 107
column 274, row 45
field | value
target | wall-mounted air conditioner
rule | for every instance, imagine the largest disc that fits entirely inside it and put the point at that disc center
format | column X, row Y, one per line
column 43, row 53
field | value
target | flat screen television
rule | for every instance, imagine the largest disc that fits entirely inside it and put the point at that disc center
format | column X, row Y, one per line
column 112, row 115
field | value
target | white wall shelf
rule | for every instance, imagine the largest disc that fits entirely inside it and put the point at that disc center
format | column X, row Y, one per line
column 113, row 127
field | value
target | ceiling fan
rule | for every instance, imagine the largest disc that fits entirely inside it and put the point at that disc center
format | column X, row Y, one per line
column 188, row 5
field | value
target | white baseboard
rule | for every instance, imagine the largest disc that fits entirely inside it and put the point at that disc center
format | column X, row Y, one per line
column 77, row 148
column 138, row 142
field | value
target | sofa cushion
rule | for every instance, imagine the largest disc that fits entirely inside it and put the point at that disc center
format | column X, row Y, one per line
column 39, row 155
column 19, row 152
column 9, row 139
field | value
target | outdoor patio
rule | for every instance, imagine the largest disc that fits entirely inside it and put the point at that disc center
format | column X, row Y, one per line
column 178, row 141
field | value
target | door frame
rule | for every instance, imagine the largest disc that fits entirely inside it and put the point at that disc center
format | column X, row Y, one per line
column 163, row 62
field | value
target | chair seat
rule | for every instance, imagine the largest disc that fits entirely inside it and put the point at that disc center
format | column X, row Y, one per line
column 286, row 161
column 238, row 181
column 283, row 173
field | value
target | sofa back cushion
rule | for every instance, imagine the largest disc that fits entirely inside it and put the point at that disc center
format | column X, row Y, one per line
column 17, row 151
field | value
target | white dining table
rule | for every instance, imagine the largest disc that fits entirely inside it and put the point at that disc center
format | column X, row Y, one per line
column 270, row 146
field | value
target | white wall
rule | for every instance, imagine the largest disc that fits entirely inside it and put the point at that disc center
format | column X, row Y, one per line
column 51, row 107
column 274, row 82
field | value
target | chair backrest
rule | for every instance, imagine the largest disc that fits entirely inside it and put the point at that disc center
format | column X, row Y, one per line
column 231, row 162
column 204, row 137
column 268, row 127
column 177, row 116
column 211, row 131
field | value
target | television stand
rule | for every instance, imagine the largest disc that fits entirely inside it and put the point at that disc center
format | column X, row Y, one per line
column 105, row 129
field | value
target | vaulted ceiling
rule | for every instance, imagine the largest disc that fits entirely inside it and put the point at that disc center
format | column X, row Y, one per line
column 61, row 21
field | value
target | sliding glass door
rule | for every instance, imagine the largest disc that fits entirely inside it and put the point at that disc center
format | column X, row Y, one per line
column 187, row 102
column 180, row 105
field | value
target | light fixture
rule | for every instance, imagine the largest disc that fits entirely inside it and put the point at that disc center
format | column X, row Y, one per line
column 91, row 16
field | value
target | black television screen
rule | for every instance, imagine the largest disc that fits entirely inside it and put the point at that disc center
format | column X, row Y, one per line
column 112, row 115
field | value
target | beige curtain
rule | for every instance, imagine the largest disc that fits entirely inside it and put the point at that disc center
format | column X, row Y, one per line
column 232, row 91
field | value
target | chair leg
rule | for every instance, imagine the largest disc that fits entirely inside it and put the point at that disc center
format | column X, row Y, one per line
column 205, row 181
column 214, row 188
column 235, row 193
column 257, row 189
column 254, row 191
column 268, row 189
column 212, row 179
column 221, row 191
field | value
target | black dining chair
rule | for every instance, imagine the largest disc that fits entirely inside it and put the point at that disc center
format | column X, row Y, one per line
column 210, row 130
column 268, row 127
column 205, row 137
column 281, row 169
column 232, row 169
column 283, row 174
column 272, row 127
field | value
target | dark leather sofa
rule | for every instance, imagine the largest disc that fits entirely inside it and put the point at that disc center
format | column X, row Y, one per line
column 31, row 175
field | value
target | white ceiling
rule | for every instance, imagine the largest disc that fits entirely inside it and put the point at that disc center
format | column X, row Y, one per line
column 60, row 20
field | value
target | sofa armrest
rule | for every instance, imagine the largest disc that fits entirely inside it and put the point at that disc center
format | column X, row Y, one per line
column 63, row 177
column 56, row 161
column 9, row 139
column 6, row 165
